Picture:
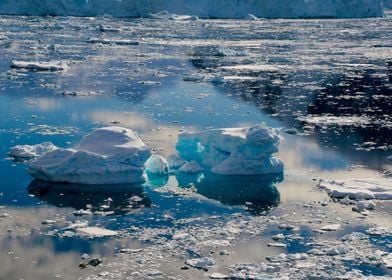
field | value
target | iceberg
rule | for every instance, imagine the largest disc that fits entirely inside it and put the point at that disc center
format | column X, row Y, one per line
column 39, row 66
column 358, row 189
column 233, row 151
column 200, row 8
column 109, row 155
column 25, row 152
column 157, row 165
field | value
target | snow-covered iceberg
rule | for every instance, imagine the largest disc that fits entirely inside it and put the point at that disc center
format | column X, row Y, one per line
column 201, row 8
column 358, row 189
column 109, row 155
column 233, row 151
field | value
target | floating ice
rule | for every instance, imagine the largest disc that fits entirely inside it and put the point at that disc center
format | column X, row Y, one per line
column 359, row 189
column 201, row 8
column 233, row 151
column 21, row 152
column 109, row 155
column 169, row 16
column 202, row 263
column 40, row 66
column 112, row 41
column 157, row 165
column 96, row 231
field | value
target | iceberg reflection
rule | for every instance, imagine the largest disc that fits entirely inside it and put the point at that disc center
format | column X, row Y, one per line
column 257, row 193
column 99, row 199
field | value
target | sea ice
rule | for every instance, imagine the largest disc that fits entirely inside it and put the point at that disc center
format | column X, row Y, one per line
column 21, row 152
column 96, row 231
column 109, row 155
column 40, row 66
column 358, row 189
column 233, row 151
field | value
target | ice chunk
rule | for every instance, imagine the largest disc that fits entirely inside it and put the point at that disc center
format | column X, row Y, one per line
column 113, row 41
column 201, row 263
column 191, row 167
column 359, row 189
column 175, row 161
column 157, row 165
column 21, row 152
column 233, row 151
column 97, row 232
column 109, row 155
column 40, row 66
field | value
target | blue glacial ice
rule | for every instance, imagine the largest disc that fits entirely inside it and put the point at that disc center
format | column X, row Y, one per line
column 200, row 8
column 157, row 165
column 233, row 151
column 109, row 155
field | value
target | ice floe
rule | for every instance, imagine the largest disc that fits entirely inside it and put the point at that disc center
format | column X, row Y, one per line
column 40, row 66
column 109, row 155
column 233, row 151
column 23, row 152
column 358, row 189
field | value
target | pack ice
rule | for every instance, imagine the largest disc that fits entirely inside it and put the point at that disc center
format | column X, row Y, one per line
column 233, row 151
column 201, row 8
column 109, row 155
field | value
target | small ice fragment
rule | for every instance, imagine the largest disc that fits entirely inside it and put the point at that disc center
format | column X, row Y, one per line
column 97, row 232
column 21, row 152
column 201, row 263
column 157, row 165
column 48, row 222
column 40, row 66
column 364, row 205
column 217, row 275
column 191, row 167
column 333, row 227
column 251, row 17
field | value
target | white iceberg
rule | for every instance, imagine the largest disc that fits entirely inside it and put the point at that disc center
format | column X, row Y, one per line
column 201, row 8
column 358, row 189
column 39, row 66
column 233, row 151
column 22, row 152
column 109, row 155
column 157, row 165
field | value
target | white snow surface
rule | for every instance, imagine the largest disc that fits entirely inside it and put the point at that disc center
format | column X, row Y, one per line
column 201, row 8
column 39, row 66
column 233, row 151
column 31, row 151
column 109, row 155
column 359, row 189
